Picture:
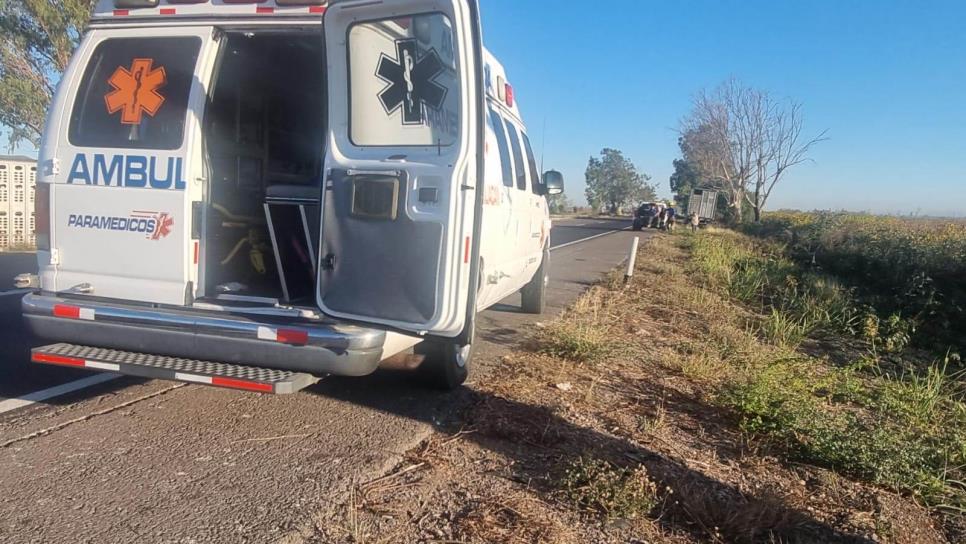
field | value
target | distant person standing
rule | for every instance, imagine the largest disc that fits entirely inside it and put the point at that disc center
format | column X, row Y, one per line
column 670, row 219
column 695, row 221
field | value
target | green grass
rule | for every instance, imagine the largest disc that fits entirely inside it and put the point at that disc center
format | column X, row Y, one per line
column 796, row 302
column 906, row 432
column 575, row 341
column 906, row 435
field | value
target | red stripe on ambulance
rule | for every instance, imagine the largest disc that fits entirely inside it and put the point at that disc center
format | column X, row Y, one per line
column 241, row 384
column 56, row 359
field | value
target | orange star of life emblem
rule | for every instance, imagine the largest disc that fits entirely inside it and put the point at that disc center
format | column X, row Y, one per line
column 163, row 226
column 136, row 91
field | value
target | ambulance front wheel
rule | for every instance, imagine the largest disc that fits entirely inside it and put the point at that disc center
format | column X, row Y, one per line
column 535, row 292
column 446, row 365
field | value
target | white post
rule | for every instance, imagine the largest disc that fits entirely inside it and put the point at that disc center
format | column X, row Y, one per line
column 631, row 260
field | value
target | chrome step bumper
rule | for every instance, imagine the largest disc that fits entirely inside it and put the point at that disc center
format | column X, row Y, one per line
column 312, row 346
column 247, row 378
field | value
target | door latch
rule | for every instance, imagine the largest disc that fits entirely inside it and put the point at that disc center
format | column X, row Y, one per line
column 328, row 262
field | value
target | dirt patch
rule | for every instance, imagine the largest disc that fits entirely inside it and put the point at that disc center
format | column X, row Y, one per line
column 566, row 444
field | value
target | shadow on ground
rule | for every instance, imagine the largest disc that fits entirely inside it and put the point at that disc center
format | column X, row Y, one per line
column 539, row 443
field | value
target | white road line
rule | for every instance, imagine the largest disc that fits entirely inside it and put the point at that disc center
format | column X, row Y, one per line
column 588, row 238
column 49, row 393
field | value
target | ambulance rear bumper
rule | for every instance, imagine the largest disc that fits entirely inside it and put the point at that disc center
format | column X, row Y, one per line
column 316, row 347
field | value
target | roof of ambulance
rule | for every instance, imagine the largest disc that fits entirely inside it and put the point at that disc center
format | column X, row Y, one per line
column 107, row 12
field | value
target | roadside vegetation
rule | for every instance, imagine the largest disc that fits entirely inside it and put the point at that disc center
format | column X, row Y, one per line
column 728, row 393
column 839, row 386
column 910, row 270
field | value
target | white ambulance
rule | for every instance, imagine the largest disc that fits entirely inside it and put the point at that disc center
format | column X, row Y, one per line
column 257, row 193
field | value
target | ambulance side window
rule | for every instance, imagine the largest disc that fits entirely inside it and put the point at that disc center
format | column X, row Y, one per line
column 518, row 164
column 504, row 148
column 134, row 93
column 535, row 184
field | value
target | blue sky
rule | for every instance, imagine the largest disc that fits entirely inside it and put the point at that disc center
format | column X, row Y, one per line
column 887, row 79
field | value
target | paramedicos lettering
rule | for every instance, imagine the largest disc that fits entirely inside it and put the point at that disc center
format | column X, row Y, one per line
column 103, row 222
column 154, row 225
column 128, row 171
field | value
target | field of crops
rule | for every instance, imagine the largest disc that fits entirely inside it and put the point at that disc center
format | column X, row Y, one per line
column 914, row 268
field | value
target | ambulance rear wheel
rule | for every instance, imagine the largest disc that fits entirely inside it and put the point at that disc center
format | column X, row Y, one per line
column 535, row 292
column 446, row 365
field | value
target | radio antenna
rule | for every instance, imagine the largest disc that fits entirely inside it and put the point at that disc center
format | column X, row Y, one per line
column 543, row 142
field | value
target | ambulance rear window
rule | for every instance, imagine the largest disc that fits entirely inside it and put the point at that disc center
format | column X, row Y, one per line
column 135, row 93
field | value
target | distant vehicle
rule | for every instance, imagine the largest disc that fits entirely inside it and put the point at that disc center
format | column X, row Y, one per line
column 256, row 196
column 647, row 215
column 705, row 203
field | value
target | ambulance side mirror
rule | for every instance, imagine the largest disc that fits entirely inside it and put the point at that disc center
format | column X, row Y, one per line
column 553, row 182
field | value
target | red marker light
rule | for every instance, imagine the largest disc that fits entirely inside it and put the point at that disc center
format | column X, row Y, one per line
column 70, row 312
column 509, row 95
column 294, row 337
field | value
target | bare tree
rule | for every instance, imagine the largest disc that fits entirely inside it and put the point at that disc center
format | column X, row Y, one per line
column 783, row 147
column 742, row 142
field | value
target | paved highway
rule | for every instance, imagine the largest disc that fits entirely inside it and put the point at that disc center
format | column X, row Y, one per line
column 136, row 460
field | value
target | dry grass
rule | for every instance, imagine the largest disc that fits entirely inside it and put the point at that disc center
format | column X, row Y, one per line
column 506, row 519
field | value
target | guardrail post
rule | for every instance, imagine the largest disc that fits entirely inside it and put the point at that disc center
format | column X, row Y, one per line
column 631, row 260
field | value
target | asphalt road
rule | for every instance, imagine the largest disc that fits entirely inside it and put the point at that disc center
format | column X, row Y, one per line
column 136, row 460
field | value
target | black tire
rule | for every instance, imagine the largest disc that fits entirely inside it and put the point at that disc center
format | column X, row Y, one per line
column 535, row 293
column 446, row 365
column 637, row 224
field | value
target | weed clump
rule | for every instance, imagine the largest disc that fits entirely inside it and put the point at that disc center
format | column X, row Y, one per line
column 598, row 486
column 575, row 341
column 906, row 434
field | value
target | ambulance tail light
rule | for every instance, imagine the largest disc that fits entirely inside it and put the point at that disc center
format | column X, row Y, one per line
column 42, row 216
column 135, row 4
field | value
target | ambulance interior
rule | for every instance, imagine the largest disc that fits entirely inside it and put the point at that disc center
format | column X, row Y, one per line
column 263, row 144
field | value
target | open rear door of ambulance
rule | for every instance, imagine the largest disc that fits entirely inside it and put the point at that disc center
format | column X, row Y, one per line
column 403, row 161
column 123, row 158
